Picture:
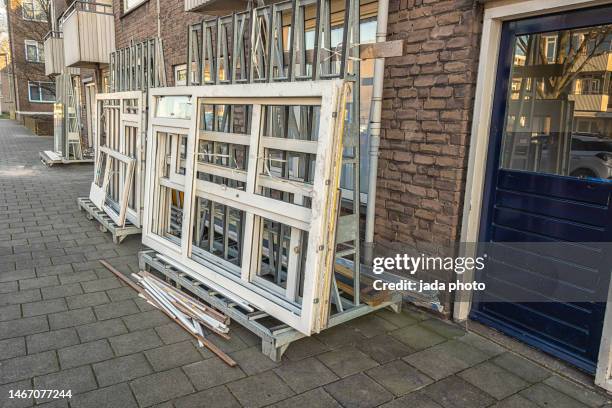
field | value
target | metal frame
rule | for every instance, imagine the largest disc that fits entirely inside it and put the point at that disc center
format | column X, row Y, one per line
column 275, row 335
column 138, row 66
column 309, row 314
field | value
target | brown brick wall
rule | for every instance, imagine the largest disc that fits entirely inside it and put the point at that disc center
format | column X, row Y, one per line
column 427, row 107
column 141, row 24
column 25, row 71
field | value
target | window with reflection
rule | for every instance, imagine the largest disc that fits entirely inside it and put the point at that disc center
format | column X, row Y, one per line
column 557, row 119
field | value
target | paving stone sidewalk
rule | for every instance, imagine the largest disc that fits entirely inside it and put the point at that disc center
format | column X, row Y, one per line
column 67, row 323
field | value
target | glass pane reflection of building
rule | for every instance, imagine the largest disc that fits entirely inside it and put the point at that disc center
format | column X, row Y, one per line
column 559, row 110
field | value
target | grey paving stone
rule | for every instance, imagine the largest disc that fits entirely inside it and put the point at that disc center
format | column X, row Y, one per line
column 172, row 333
column 443, row 328
column 522, row 367
column 218, row 397
column 145, row 320
column 85, row 353
column 384, row 348
column 10, row 312
column 134, row 342
column 54, row 270
column 10, row 348
column 252, row 360
column 212, row 372
column 456, row 392
column 414, row 400
column 306, row 347
column 228, row 346
column 116, row 309
column 66, row 279
column 22, row 296
column 7, row 287
column 20, row 368
column 576, row 391
column 44, row 307
column 161, row 387
column 54, row 292
column 51, row 340
column 305, row 374
column 340, row 336
column 545, row 396
column 77, row 380
column 446, row 359
column 116, row 396
column 358, row 391
column 122, row 369
column 5, row 395
column 71, row 318
column 515, row 401
column 101, row 330
column 23, row 327
column 9, row 276
column 87, row 299
column 417, row 337
column 346, row 361
column 37, row 283
column 482, row 344
column 260, row 390
column 313, row 398
column 493, row 380
column 121, row 294
column 174, row 355
column 372, row 325
column 399, row 377
column 101, row 284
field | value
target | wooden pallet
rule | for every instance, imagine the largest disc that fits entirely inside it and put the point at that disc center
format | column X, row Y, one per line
column 49, row 158
column 106, row 223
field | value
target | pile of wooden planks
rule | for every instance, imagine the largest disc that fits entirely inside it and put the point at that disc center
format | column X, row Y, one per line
column 184, row 310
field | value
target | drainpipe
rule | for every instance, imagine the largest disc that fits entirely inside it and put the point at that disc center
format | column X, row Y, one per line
column 375, row 118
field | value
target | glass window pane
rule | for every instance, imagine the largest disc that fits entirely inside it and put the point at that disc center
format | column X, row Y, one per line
column 557, row 119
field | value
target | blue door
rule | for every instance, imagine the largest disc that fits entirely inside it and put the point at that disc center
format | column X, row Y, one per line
column 548, row 188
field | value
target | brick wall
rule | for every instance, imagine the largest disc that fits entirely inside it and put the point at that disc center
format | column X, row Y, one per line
column 141, row 24
column 427, row 107
column 25, row 71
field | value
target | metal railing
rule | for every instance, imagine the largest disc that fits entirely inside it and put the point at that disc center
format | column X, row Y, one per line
column 53, row 34
column 78, row 5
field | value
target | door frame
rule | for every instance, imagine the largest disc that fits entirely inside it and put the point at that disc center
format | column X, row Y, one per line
column 495, row 14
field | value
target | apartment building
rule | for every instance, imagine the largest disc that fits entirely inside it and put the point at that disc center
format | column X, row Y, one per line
column 28, row 21
column 495, row 129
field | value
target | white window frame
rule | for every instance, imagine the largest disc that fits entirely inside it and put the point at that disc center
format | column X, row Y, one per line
column 39, row 86
column 117, row 121
column 319, row 220
column 34, row 4
column 39, row 50
column 127, row 9
column 496, row 12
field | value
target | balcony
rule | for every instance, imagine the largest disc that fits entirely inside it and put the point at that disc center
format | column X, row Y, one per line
column 54, row 55
column 89, row 34
column 590, row 103
column 215, row 7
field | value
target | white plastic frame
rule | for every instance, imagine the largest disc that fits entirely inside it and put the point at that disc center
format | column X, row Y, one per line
column 319, row 220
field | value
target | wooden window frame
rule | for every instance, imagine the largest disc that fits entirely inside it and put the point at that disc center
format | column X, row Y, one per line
column 311, row 315
column 117, row 125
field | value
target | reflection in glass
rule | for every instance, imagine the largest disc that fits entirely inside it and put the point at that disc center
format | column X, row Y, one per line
column 557, row 118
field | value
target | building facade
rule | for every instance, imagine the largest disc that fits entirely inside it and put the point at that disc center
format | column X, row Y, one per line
column 28, row 22
column 495, row 129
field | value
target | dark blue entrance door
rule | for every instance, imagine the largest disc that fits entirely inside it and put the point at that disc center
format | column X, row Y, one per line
column 549, row 180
